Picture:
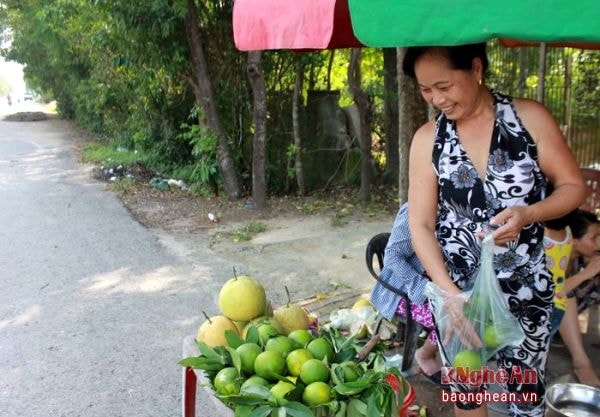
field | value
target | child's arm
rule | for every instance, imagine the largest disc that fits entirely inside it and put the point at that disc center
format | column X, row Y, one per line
column 588, row 272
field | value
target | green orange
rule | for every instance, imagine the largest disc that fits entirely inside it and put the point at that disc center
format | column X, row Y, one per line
column 227, row 381
column 269, row 365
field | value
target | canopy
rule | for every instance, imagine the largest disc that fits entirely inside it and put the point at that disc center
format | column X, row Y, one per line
column 292, row 24
column 325, row 24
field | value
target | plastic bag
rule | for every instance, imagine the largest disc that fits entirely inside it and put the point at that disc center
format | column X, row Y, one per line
column 476, row 324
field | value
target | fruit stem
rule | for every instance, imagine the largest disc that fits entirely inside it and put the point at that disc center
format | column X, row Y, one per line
column 234, row 273
column 288, row 295
column 207, row 318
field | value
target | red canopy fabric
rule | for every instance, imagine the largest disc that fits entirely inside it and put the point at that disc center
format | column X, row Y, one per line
column 292, row 24
column 512, row 43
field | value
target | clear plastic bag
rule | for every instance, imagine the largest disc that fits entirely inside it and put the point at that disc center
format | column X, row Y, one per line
column 476, row 324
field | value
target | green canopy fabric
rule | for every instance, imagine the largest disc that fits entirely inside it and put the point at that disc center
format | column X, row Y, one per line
column 397, row 23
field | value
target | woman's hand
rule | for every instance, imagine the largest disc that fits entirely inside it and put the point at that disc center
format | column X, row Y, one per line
column 507, row 224
column 458, row 324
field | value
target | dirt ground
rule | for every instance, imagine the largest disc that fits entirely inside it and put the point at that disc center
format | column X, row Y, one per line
column 311, row 245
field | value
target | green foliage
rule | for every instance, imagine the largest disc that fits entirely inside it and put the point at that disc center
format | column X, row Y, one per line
column 204, row 151
column 109, row 154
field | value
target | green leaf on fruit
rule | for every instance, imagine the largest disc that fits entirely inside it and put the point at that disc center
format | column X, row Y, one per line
column 296, row 409
column 233, row 339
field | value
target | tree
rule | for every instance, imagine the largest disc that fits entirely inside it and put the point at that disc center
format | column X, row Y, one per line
column 413, row 113
column 296, row 102
column 205, row 97
column 364, row 111
column 390, row 80
column 260, row 131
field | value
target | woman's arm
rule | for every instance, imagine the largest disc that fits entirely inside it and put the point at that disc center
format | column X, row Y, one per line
column 558, row 165
column 422, row 202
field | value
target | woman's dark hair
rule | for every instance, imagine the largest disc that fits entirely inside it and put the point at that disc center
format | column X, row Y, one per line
column 580, row 221
column 561, row 222
column 460, row 57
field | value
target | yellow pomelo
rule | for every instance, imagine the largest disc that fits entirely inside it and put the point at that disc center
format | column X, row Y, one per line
column 361, row 302
column 212, row 331
column 291, row 317
column 269, row 365
column 316, row 393
column 295, row 359
column 227, row 381
column 321, row 348
column 242, row 298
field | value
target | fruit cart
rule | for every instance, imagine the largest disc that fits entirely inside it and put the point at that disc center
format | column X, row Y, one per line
column 200, row 389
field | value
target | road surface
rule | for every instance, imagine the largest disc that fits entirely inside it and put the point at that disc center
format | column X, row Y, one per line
column 93, row 306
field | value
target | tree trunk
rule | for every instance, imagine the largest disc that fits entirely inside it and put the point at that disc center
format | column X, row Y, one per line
column 541, row 87
column 329, row 66
column 296, row 125
column 390, row 81
column 362, row 103
column 205, row 98
column 413, row 113
column 259, row 116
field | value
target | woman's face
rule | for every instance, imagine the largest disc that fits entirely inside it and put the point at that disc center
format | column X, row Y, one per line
column 587, row 245
column 455, row 92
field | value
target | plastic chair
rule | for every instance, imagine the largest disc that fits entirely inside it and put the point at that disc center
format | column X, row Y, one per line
column 412, row 329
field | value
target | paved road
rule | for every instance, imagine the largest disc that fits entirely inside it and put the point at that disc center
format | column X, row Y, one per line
column 93, row 306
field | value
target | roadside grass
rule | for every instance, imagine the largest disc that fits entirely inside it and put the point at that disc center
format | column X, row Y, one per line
column 107, row 154
column 124, row 185
column 247, row 232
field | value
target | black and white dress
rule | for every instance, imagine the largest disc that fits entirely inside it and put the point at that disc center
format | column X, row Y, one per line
column 466, row 203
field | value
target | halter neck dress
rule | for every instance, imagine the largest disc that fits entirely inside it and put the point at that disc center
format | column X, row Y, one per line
column 466, row 204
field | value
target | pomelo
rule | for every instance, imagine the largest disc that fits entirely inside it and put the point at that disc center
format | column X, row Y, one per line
column 316, row 393
column 314, row 370
column 227, row 381
column 295, row 359
column 282, row 344
column 248, row 353
column 269, row 365
column 490, row 337
column 321, row 348
column 291, row 316
column 212, row 331
column 255, row 380
column 242, row 298
column 467, row 360
column 301, row 336
column 361, row 302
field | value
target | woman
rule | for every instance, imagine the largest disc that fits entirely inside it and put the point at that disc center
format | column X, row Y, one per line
column 483, row 165
column 584, row 278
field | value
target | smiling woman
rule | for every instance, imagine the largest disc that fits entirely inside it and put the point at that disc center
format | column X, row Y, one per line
column 484, row 162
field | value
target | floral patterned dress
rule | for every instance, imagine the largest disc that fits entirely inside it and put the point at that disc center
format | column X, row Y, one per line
column 466, row 203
